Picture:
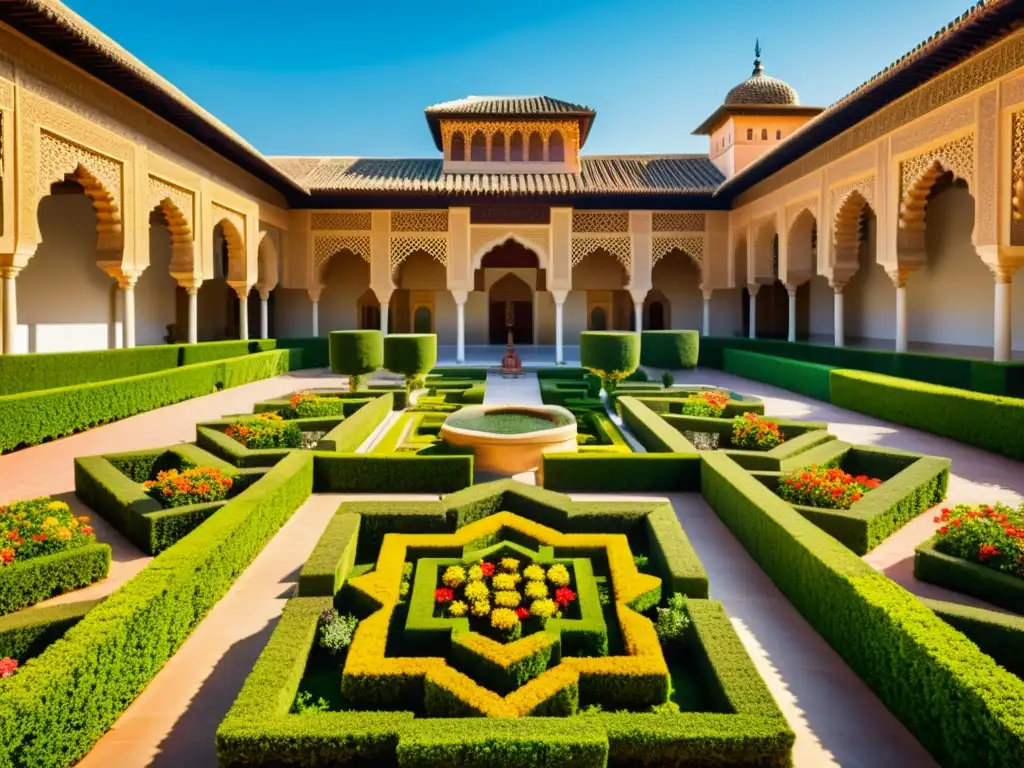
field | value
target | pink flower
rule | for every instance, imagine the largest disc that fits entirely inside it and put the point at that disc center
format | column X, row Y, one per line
column 8, row 666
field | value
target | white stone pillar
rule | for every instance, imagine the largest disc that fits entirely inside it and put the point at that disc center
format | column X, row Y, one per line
column 1001, row 345
column 384, row 307
column 706, row 324
column 314, row 298
column 243, row 312
column 559, row 297
column 460, row 325
column 264, row 314
column 128, row 296
column 899, row 279
column 10, row 300
column 753, row 288
column 791, row 292
column 838, row 316
column 638, row 315
column 193, row 313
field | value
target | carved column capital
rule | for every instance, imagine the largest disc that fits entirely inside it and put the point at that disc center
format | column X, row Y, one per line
column 460, row 296
column 314, row 293
column 1003, row 273
column 753, row 288
column 9, row 273
column 707, row 293
column 898, row 277
column 791, row 289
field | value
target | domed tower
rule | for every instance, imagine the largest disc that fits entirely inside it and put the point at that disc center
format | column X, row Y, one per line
column 757, row 114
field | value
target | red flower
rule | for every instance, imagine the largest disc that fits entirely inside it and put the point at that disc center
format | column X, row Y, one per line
column 956, row 523
column 522, row 613
column 487, row 569
column 8, row 666
column 944, row 530
column 985, row 551
column 564, row 596
column 443, row 595
column 39, row 537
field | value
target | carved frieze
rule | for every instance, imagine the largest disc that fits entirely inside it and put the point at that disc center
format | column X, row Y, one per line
column 327, row 246
column 533, row 238
column 619, row 247
column 956, row 156
column 419, row 221
column 182, row 200
column 1017, row 197
column 933, row 127
column 509, row 214
column 346, row 221
column 600, row 222
column 984, row 188
column 691, row 246
column 670, row 221
column 403, row 247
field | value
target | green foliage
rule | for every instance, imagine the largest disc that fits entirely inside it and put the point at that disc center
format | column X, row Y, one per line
column 612, row 355
column 508, row 421
column 896, row 645
column 31, row 373
column 332, row 559
column 209, row 351
column 673, row 621
column 393, row 473
column 674, row 350
column 410, row 354
column 310, row 352
column 335, row 632
column 621, row 472
column 304, row 703
column 259, row 432
column 667, row 379
column 986, row 421
column 811, row 379
column 673, row 558
column 356, row 353
column 354, row 430
column 32, row 417
column 1000, row 635
column 306, row 405
column 651, row 430
column 502, row 680
column 968, row 578
column 38, row 578
column 105, row 661
column 26, row 634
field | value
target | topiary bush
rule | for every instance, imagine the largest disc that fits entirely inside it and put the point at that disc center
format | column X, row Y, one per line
column 410, row 354
column 674, row 350
column 612, row 355
column 355, row 354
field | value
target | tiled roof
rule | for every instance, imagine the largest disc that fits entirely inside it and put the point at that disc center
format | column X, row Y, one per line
column 759, row 88
column 599, row 175
column 509, row 105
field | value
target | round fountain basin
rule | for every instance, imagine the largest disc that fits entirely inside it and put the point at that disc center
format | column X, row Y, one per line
column 509, row 439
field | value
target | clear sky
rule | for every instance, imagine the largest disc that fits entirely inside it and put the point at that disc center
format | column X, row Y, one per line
column 340, row 77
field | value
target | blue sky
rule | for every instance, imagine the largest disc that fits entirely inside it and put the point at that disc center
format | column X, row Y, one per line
column 338, row 77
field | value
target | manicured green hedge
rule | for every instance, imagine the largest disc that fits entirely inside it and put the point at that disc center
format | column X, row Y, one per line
column 925, row 672
column 1000, row 635
column 207, row 352
column 308, row 352
column 973, row 579
column 32, row 417
column 672, row 556
column 651, row 430
column 986, row 421
column 356, row 353
column 615, row 354
column 51, row 370
column 963, row 373
column 809, row 379
column 621, row 472
column 410, row 354
column 673, row 350
column 354, row 431
column 332, row 559
column 392, row 473
column 31, row 581
column 26, row 634
column 75, row 690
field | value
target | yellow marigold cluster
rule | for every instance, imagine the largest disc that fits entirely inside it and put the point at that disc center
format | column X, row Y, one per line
column 477, row 591
column 504, row 619
column 558, row 575
column 544, row 609
column 509, row 564
column 506, row 599
column 454, row 576
column 475, row 573
column 504, row 581
column 534, row 572
column 457, row 608
column 480, row 608
column 536, row 590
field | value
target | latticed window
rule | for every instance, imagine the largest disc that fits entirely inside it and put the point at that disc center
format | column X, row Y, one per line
column 458, row 150
column 775, row 257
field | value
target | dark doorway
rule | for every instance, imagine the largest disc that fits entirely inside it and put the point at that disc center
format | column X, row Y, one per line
column 598, row 319
column 656, row 318
column 520, row 313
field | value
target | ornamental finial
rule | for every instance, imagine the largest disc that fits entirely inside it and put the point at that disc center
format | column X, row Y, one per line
column 758, row 66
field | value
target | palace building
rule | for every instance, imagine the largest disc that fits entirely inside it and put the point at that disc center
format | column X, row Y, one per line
column 892, row 218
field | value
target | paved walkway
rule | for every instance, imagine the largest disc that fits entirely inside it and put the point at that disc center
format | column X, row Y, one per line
column 507, row 390
column 49, row 470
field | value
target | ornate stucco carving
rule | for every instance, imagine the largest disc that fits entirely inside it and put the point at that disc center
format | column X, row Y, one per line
column 236, row 219
column 848, row 202
column 403, row 247
column 326, row 246
column 6, row 95
column 691, row 246
column 917, row 177
column 985, row 189
column 985, row 68
column 183, row 200
column 600, row 222
column 1013, row 91
column 663, row 221
column 1017, row 199
column 419, row 221
column 569, row 129
column 794, row 210
column 864, row 187
column 619, row 247
column 534, row 238
column 933, row 127
column 348, row 221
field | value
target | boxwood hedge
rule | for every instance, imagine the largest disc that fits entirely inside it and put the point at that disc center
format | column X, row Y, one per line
column 673, row 350
column 31, row 581
column 973, row 579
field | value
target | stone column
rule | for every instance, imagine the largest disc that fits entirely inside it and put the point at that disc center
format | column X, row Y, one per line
column 384, row 307
column 706, row 325
column 1001, row 345
column 10, row 301
column 559, row 297
column 838, row 315
column 264, row 314
column 899, row 280
column 791, row 292
column 460, row 322
column 127, row 286
column 753, row 288
column 243, row 311
column 638, row 316
column 314, row 297
column 193, row 312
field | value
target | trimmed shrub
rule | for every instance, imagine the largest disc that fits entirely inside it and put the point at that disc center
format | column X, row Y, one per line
column 594, row 472
column 308, row 352
column 355, row 354
column 208, row 351
column 651, row 430
column 411, row 354
column 393, row 473
column 897, row 646
column 26, row 634
column 986, row 421
column 968, row 578
column 1000, row 635
column 348, row 436
column 32, row 417
column 30, row 373
column 674, row 350
column 332, row 559
column 38, row 578
column 612, row 355
column 808, row 379
column 103, row 663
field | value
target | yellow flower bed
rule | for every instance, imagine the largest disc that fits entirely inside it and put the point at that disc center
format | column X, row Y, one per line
column 366, row 657
column 505, row 655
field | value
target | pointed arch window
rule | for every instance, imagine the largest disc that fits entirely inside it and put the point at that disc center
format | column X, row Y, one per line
column 764, row 134
column 556, row 147
column 536, row 147
column 458, row 149
column 478, row 147
column 498, row 147
column 515, row 147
